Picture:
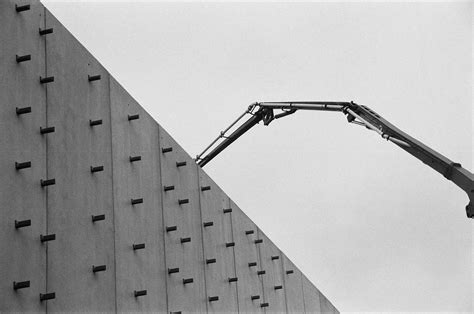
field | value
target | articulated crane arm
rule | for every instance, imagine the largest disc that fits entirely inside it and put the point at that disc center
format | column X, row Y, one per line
column 356, row 114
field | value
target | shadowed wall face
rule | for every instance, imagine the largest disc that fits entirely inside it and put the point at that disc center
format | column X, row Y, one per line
column 102, row 210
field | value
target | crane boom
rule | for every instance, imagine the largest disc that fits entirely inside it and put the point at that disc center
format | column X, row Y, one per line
column 356, row 114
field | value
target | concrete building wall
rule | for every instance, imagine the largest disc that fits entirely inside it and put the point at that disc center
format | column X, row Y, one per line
column 112, row 215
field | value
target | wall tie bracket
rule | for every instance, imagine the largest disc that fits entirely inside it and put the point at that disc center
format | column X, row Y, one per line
column 97, row 169
column 210, row 261
column 45, row 31
column 208, row 224
column 139, row 293
column 185, row 240
column 233, row 279
column 171, row 228
column 230, row 244
column 133, row 117
column 47, row 296
column 47, row 237
column 96, row 269
column 135, row 158
column 23, row 58
column 167, row 188
column 213, row 298
column 135, row 201
column 98, row 217
column 21, row 285
column 139, row 246
column 205, row 188
column 95, row 122
column 188, row 280
column 173, row 270
column 46, row 130
column 227, row 210
column 22, row 8
column 181, row 164
column 22, row 165
column 22, row 223
column 46, row 80
column 166, row 150
column 183, row 201
column 92, row 78
column 47, row 182
column 24, row 110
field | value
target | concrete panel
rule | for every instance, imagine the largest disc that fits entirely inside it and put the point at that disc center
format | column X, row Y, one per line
column 188, row 257
column 249, row 283
column 23, row 258
column 141, row 223
column 326, row 305
column 273, row 285
column 293, row 286
column 311, row 297
column 215, row 208
column 78, row 193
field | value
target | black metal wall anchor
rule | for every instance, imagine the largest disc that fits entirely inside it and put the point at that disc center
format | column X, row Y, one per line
column 135, row 158
column 95, row 122
column 208, row 224
column 185, row 240
column 133, row 117
column 166, row 150
column 289, row 272
column 139, row 293
column 139, row 246
column 233, row 279
column 47, row 182
column 264, row 304
column 22, row 8
column 278, row 287
column 21, row 285
column 227, row 210
column 261, row 272
column 97, row 169
column 252, row 264
column 92, row 78
column 45, row 31
column 249, row 232
column 183, row 201
column 254, row 297
column 46, row 80
column 47, row 296
column 167, row 188
column 178, row 312
column 214, row 298
column 22, row 165
column 23, row 58
column 46, row 130
column 205, row 188
column 47, row 237
column 135, row 201
column 96, row 269
column 22, row 223
column 230, row 244
column 258, row 241
column 274, row 257
column 181, row 164
column 173, row 270
column 98, row 218
column 171, row 228
column 210, row 261
column 188, row 280
column 24, row 110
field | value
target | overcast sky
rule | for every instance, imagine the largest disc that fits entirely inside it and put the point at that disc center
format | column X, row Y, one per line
column 372, row 227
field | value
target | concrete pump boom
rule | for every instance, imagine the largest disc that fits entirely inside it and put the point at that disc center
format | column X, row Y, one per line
column 356, row 114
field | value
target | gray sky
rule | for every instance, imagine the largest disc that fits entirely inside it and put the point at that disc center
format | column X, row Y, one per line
column 372, row 227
